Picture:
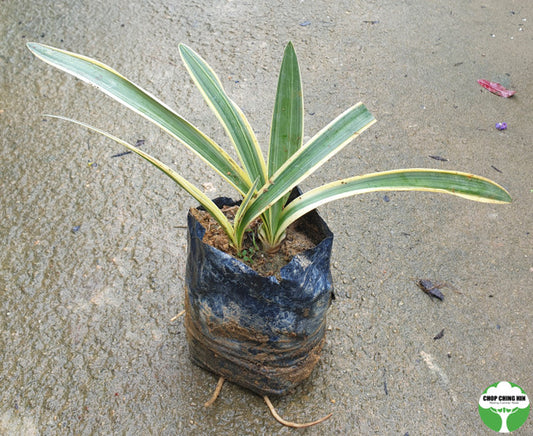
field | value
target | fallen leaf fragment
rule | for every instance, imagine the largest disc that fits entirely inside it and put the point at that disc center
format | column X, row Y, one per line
column 439, row 335
column 496, row 88
column 431, row 289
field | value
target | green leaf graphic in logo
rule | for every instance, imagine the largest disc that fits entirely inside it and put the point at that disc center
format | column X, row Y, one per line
column 504, row 407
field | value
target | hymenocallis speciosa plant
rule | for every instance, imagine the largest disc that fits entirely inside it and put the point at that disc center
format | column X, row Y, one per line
column 264, row 183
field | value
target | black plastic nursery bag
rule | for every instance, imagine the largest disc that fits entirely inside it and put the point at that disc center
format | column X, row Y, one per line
column 256, row 331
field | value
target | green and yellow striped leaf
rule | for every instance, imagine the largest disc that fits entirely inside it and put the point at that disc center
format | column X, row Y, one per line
column 140, row 101
column 460, row 184
column 229, row 114
column 204, row 200
column 286, row 133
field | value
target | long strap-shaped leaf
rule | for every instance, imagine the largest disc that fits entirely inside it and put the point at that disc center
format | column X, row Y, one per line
column 229, row 114
column 203, row 199
column 307, row 159
column 450, row 182
column 286, row 133
column 132, row 96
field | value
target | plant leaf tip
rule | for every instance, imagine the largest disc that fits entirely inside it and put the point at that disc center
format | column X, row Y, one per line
column 290, row 48
column 33, row 47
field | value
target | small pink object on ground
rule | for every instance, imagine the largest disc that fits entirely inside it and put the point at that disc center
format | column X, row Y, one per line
column 496, row 88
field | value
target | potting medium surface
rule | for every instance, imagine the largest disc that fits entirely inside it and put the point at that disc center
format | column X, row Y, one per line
column 92, row 265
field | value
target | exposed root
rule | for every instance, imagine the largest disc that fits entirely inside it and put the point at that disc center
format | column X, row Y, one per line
column 288, row 423
column 174, row 318
column 216, row 393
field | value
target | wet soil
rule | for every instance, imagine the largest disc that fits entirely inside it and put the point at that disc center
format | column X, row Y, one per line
column 297, row 240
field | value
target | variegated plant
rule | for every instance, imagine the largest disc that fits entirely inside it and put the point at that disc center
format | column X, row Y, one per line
column 264, row 185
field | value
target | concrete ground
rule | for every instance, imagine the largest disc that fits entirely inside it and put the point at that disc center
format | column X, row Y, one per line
column 93, row 255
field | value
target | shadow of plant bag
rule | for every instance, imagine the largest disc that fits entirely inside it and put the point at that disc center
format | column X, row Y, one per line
column 260, row 333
